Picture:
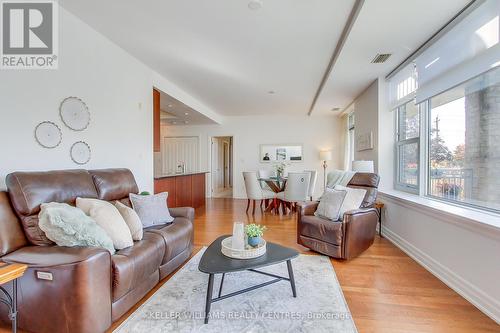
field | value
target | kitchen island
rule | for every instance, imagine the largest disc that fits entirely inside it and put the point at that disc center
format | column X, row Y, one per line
column 184, row 189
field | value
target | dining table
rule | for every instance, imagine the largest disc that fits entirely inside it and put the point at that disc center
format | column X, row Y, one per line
column 276, row 184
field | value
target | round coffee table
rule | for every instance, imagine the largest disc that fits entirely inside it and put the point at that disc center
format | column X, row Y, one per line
column 214, row 262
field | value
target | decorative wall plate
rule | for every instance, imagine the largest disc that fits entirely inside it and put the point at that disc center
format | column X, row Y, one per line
column 48, row 134
column 74, row 113
column 80, row 152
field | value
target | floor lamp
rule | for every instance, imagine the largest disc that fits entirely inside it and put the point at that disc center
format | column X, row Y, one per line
column 325, row 155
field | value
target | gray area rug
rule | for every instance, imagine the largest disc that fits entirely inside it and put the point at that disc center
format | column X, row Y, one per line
column 178, row 306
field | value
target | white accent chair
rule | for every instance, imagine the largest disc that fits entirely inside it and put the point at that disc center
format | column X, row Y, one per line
column 312, row 183
column 255, row 191
column 296, row 189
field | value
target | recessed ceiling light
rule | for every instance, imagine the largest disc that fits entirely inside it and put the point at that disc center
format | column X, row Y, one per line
column 255, row 4
column 186, row 122
column 174, row 122
column 186, row 113
column 170, row 106
column 271, row 92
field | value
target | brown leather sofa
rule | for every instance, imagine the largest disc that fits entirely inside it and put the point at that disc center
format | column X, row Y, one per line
column 90, row 289
column 345, row 239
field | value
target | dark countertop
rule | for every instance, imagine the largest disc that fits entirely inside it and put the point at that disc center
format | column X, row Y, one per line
column 169, row 175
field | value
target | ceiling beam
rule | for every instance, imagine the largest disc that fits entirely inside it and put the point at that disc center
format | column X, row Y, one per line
column 338, row 49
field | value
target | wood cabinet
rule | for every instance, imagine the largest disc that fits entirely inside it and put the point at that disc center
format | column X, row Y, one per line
column 183, row 190
column 198, row 186
column 156, row 121
column 167, row 185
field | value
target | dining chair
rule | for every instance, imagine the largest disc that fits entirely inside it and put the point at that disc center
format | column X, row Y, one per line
column 254, row 191
column 296, row 189
column 265, row 173
column 312, row 183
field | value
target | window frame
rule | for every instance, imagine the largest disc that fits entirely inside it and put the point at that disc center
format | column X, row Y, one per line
column 427, row 135
column 351, row 139
column 404, row 142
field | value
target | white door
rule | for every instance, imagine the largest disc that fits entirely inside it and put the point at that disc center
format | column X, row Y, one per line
column 217, row 165
column 178, row 151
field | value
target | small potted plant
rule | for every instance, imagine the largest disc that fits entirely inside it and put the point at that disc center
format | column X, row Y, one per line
column 254, row 233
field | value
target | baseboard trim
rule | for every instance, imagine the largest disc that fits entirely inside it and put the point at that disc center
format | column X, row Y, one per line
column 485, row 303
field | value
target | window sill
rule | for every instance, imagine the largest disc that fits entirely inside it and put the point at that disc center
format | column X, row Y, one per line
column 471, row 218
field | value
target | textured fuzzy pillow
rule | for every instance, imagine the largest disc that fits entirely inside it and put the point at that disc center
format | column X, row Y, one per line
column 66, row 225
column 109, row 218
column 152, row 209
column 330, row 204
column 132, row 219
column 353, row 199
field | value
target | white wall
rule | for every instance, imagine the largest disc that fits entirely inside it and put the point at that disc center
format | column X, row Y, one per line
column 315, row 133
column 366, row 121
column 116, row 87
column 458, row 250
column 385, row 138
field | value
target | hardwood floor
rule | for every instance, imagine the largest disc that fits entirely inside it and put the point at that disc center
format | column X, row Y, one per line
column 386, row 290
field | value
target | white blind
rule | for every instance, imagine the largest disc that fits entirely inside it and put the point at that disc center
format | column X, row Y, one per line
column 467, row 50
column 402, row 86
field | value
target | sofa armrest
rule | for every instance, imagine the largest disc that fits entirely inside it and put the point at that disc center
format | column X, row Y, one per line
column 74, row 294
column 359, row 231
column 307, row 207
column 187, row 212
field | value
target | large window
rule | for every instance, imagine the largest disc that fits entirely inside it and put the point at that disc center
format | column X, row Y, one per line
column 460, row 141
column 446, row 100
column 408, row 147
column 464, row 142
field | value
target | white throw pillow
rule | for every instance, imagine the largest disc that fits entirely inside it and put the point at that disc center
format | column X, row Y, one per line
column 353, row 199
column 132, row 219
column 330, row 204
column 152, row 209
column 66, row 225
column 109, row 218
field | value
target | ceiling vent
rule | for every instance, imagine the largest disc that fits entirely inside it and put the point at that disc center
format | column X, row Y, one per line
column 381, row 58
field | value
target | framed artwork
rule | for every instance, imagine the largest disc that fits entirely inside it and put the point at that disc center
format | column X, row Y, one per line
column 280, row 153
column 364, row 141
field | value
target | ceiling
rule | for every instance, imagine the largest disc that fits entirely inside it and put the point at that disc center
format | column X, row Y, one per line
column 383, row 26
column 271, row 60
column 176, row 113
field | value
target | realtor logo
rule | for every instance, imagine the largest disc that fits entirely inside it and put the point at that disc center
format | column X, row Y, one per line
column 29, row 34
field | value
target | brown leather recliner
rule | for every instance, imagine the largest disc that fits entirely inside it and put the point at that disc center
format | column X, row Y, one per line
column 345, row 239
column 89, row 288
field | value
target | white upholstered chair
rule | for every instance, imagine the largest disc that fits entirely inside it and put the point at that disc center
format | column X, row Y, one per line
column 312, row 183
column 254, row 190
column 296, row 189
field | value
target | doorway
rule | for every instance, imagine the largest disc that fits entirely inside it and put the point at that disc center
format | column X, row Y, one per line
column 222, row 166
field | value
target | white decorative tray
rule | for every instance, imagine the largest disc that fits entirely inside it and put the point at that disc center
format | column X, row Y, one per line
column 248, row 253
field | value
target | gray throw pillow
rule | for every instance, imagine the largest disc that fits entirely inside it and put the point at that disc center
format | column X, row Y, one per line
column 330, row 204
column 66, row 225
column 152, row 209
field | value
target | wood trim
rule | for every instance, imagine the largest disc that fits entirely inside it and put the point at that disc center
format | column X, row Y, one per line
column 9, row 272
column 156, row 121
